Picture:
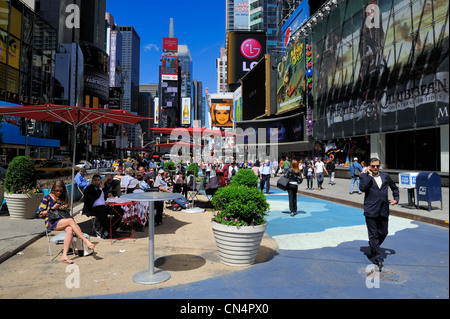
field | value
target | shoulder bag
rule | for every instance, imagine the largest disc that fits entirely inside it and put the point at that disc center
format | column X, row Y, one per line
column 283, row 182
column 56, row 214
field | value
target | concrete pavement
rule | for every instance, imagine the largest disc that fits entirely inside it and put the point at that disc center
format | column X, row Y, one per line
column 184, row 246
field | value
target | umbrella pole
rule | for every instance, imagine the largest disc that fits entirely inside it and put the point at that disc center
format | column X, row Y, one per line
column 73, row 167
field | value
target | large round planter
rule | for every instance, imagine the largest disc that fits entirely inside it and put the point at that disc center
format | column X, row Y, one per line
column 238, row 246
column 23, row 206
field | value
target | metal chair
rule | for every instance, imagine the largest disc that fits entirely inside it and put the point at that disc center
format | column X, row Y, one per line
column 81, row 192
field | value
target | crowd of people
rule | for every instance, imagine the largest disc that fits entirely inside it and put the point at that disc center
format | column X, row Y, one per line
column 134, row 177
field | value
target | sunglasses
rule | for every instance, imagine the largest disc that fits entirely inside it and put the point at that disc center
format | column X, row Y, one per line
column 58, row 191
column 373, row 166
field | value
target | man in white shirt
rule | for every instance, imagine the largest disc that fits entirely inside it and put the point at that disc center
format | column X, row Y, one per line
column 265, row 171
column 319, row 169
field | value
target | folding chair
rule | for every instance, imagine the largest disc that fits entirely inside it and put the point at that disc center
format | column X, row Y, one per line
column 81, row 192
column 211, row 188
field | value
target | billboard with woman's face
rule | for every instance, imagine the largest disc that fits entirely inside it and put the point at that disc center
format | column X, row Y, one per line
column 222, row 113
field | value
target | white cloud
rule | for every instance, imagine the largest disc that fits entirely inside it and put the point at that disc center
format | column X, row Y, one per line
column 151, row 47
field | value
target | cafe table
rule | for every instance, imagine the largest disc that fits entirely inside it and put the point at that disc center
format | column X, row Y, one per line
column 152, row 275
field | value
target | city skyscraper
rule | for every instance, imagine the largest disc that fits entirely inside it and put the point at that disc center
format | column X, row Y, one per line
column 263, row 17
column 131, row 44
column 185, row 62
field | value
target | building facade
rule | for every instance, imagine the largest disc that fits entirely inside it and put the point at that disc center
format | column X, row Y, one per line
column 381, row 82
column 28, row 45
column 131, row 44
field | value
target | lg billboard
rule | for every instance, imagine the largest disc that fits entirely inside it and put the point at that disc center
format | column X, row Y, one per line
column 245, row 49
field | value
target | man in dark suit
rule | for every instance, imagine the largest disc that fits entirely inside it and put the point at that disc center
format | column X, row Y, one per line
column 94, row 205
column 375, row 185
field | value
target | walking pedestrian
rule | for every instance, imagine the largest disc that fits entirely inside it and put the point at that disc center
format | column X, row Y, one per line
column 286, row 164
column 331, row 171
column 309, row 177
column 319, row 169
column 355, row 171
column 295, row 178
column 275, row 167
column 264, row 171
column 375, row 185
column 280, row 166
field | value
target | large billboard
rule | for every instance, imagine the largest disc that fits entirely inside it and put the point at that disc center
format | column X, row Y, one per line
column 291, row 78
column 221, row 111
column 185, row 111
column 241, row 10
column 295, row 21
column 169, row 68
column 383, row 68
column 258, row 90
column 170, row 45
column 245, row 49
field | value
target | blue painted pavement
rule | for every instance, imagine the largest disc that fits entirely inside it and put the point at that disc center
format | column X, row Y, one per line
column 321, row 255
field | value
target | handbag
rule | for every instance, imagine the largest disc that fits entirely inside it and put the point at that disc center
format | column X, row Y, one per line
column 283, row 183
column 56, row 214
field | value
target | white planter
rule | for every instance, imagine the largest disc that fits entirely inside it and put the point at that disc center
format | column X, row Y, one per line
column 238, row 246
column 23, row 206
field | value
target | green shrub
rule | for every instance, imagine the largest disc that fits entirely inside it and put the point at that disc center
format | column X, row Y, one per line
column 194, row 168
column 21, row 176
column 245, row 177
column 240, row 205
column 169, row 165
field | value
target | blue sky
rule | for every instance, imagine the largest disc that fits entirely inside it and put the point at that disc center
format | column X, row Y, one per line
column 199, row 24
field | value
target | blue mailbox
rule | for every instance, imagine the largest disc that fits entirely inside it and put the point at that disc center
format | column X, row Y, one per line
column 428, row 188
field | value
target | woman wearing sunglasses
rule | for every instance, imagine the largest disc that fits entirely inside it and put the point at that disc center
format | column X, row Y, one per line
column 375, row 186
column 58, row 199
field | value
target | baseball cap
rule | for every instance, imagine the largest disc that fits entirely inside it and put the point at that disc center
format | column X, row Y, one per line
column 355, row 159
column 161, row 171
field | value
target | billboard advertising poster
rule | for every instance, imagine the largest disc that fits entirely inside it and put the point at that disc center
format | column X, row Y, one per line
column 114, row 97
column 383, row 68
column 222, row 113
column 186, row 111
column 156, row 114
column 288, row 129
column 241, row 10
column 169, row 68
column 170, row 45
column 295, row 21
column 245, row 49
column 291, row 78
column 237, row 98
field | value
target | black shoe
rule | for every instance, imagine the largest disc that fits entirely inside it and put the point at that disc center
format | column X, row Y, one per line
column 379, row 264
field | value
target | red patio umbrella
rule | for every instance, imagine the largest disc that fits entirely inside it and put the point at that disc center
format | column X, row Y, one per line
column 72, row 115
column 172, row 144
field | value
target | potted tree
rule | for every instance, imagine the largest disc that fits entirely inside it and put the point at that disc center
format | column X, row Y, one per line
column 239, row 225
column 21, row 192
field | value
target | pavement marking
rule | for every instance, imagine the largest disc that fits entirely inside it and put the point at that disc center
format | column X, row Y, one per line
column 309, row 228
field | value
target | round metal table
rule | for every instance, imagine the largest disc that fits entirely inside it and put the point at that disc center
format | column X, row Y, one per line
column 151, row 276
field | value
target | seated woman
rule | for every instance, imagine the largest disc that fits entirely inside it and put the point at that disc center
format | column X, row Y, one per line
column 58, row 199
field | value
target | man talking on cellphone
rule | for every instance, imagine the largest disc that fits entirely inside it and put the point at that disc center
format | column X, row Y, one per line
column 375, row 185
